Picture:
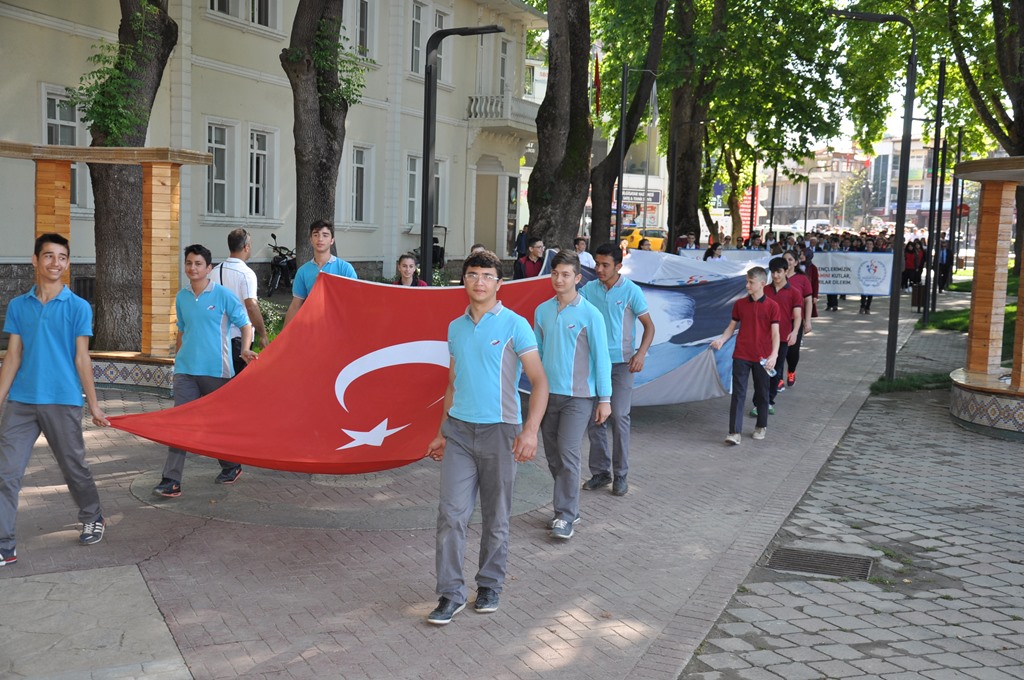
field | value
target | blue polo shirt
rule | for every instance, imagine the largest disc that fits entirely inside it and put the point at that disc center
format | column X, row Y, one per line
column 47, row 374
column 487, row 366
column 573, row 346
column 205, row 323
column 306, row 276
column 621, row 306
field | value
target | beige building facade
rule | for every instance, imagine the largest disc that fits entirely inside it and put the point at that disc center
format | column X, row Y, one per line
column 224, row 93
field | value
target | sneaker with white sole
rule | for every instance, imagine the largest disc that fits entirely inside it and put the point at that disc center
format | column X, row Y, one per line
column 733, row 438
column 8, row 556
column 444, row 611
column 92, row 532
column 551, row 522
column 760, row 432
column 561, row 529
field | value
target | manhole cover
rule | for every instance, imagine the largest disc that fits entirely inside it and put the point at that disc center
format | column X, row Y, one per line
column 816, row 562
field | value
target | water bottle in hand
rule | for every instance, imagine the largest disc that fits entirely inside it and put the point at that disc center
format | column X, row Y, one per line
column 770, row 371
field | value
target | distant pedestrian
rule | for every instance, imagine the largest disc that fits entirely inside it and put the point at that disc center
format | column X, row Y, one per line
column 529, row 265
column 407, row 274
column 237, row 276
column 44, row 373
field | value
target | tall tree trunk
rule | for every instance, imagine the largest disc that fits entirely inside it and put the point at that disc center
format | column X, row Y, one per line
column 602, row 178
column 558, row 184
column 117, row 189
column 734, row 170
column 319, row 126
column 689, row 116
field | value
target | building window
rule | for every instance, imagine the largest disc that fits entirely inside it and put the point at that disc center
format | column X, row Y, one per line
column 64, row 127
column 412, row 193
column 259, row 173
column 528, row 77
column 217, row 174
column 503, row 67
column 363, row 28
column 259, row 12
column 830, row 194
column 417, row 37
column 361, row 157
column 440, row 19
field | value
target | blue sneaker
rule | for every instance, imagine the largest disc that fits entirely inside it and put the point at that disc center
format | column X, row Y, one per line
column 8, row 556
column 228, row 476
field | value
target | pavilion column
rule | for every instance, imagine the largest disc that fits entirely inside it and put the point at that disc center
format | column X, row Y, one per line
column 161, row 189
column 53, row 200
column 988, row 296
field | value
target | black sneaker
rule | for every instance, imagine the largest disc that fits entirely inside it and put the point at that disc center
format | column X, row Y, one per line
column 8, row 556
column 597, row 481
column 445, row 610
column 620, row 486
column 92, row 532
column 486, row 601
column 228, row 476
column 168, row 488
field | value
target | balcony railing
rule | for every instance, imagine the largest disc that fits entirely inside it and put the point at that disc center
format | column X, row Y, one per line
column 503, row 112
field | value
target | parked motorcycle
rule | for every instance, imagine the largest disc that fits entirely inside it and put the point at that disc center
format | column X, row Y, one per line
column 282, row 266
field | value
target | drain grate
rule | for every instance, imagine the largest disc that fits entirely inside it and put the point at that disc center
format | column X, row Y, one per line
column 824, row 563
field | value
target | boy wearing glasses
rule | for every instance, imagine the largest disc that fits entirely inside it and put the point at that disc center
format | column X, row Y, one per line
column 573, row 342
column 530, row 264
column 482, row 436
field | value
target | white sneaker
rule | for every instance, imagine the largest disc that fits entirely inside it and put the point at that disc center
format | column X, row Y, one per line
column 733, row 439
column 760, row 432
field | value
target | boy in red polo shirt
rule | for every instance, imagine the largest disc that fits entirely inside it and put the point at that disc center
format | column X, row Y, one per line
column 757, row 342
column 790, row 319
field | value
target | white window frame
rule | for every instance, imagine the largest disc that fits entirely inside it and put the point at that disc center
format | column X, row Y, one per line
column 270, row 175
column 230, row 180
column 505, row 70
column 246, row 14
column 81, row 185
column 365, row 201
column 417, row 38
column 413, row 192
column 441, row 21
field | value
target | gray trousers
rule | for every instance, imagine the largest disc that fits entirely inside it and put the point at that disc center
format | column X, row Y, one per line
column 565, row 422
column 189, row 388
column 477, row 459
column 613, row 459
column 19, row 429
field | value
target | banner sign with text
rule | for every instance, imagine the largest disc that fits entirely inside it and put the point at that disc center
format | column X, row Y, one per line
column 854, row 273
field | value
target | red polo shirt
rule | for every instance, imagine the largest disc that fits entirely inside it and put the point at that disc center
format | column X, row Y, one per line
column 755, row 317
column 787, row 299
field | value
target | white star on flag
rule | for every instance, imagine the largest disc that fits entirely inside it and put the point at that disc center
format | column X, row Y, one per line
column 374, row 437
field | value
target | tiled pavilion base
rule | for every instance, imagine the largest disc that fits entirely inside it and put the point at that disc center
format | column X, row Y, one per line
column 987, row 404
column 133, row 370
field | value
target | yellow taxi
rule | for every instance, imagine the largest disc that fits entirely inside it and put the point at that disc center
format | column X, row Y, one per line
column 634, row 235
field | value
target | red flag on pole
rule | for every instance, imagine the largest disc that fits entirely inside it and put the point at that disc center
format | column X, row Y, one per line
column 354, row 384
column 597, row 85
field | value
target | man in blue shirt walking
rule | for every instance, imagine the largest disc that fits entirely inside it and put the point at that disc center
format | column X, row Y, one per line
column 45, row 371
column 202, row 360
column 573, row 345
column 622, row 304
column 482, row 436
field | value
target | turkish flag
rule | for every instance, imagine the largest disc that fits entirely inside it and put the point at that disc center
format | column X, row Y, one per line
column 354, row 384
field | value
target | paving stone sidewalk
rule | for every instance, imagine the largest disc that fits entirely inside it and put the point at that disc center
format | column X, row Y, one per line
column 941, row 512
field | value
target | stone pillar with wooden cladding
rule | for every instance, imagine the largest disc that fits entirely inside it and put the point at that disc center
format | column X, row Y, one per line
column 161, row 191
column 53, row 200
column 991, row 259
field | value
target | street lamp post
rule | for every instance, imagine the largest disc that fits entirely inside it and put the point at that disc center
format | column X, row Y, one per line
column 429, row 129
column 901, row 192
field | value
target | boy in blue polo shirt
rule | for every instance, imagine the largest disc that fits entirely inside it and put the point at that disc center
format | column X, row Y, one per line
column 573, row 344
column 755, row 352
column 321, row 236
column 202, row 359
column 45, row 371
column 482, row 435
column 622, row 303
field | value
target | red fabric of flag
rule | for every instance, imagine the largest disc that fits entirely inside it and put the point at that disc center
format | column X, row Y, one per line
column 354, row 384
